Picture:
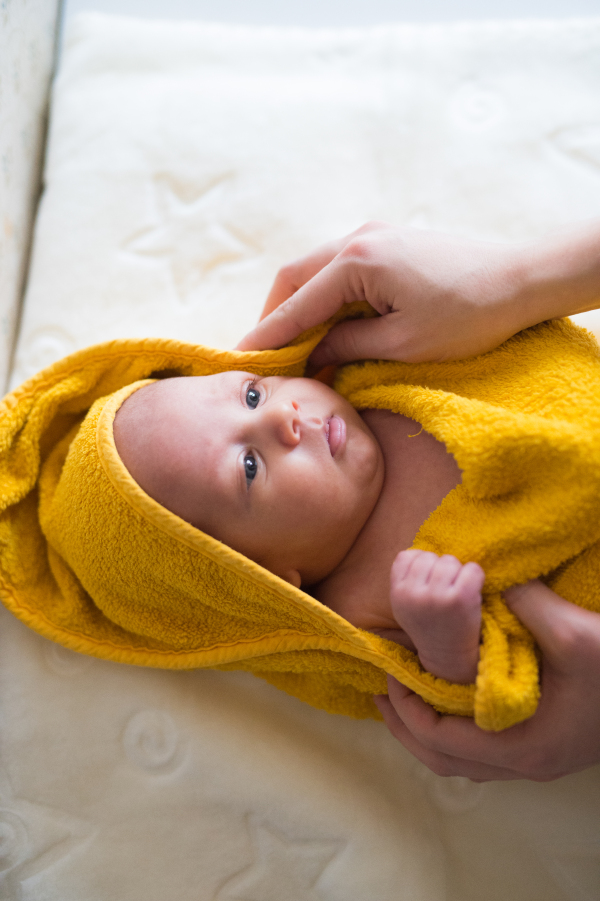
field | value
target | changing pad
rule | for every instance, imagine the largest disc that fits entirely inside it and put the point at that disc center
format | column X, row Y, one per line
column 186, row 163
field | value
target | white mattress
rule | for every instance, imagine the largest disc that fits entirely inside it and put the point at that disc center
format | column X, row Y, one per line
column 186, row 163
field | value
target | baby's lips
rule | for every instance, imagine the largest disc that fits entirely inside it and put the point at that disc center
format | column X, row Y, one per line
column 336, row 435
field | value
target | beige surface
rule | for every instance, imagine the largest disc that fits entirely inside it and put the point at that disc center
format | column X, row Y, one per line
column 143, row 785
column 188, row 162
column 185, row 164
column 26, row 54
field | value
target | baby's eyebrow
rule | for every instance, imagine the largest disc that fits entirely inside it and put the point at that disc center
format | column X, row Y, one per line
column 246, row 377
column 234, row 391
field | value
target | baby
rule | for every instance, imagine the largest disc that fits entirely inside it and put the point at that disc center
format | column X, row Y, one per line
column 287, row 472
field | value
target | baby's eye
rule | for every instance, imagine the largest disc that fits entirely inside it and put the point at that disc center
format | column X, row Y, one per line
column 252, row 397
column 250, row 468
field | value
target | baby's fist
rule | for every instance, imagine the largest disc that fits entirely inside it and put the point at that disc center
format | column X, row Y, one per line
column 437, row 601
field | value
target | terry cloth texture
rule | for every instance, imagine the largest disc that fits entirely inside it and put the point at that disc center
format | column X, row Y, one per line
column 89, row 560
column 523, row 423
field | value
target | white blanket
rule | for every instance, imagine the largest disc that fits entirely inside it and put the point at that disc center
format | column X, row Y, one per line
column 186, row 163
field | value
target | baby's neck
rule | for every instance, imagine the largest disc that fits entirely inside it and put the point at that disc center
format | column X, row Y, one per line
column 419, row 473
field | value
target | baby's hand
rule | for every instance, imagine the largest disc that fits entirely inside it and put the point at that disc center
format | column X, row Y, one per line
column 437, row 601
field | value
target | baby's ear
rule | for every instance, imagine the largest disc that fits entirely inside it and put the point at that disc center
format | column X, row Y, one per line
column 292, row 576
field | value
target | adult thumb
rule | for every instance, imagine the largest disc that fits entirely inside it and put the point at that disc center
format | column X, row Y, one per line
column 556, row 624
column 361, row 339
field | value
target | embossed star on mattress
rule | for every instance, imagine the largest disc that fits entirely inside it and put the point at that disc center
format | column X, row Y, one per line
column 192, row 235
column 281, row 868
column 33, row 838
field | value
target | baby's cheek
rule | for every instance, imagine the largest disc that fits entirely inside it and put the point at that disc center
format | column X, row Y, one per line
column 318, row 512
column 339, row 507
column 322, row 501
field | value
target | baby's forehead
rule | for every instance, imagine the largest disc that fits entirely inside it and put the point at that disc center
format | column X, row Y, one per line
column 218, row 386
column 225, row 381
column 211, row 383
column 186, row 395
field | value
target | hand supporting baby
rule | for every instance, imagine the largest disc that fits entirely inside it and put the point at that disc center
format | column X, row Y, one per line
column 562, row 737
column 437, row 601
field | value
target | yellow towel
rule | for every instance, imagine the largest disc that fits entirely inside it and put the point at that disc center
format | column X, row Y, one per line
column 523, row 423
column 87, row 559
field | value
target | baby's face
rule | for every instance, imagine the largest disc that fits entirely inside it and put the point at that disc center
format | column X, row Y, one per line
column 283, row 470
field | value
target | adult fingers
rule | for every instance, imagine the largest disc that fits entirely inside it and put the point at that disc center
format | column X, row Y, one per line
column 328, row 279
column 456, row 736
column 384, row 338
column 296, row 274
column 293, row 276
column 563, row 631
column 439, row 763
column 311, row 305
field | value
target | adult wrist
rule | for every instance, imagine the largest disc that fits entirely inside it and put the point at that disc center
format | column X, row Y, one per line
column 558, row 275
column 513, row 294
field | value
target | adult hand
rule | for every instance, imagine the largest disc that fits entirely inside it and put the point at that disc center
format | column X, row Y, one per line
column 564, row 734
column 440, row 297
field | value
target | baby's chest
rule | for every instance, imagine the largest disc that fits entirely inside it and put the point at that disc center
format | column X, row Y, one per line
column 419, row 473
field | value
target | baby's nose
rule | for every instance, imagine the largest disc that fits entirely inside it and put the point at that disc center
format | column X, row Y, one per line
column 287, row 422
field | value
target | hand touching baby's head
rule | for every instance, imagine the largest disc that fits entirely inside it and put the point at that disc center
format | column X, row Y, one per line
column 283, row 470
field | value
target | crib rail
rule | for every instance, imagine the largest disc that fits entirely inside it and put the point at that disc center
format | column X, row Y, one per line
column 28, row 31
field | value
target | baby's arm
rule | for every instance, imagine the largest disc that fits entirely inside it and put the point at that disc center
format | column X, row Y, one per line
column 437, row 601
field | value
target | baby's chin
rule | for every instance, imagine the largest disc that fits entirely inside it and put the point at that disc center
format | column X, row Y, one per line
column 309, row 564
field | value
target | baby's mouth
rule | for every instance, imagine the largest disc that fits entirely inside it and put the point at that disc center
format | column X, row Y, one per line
column 336, row 434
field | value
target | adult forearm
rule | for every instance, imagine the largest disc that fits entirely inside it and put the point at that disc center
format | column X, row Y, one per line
column 558, row 275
